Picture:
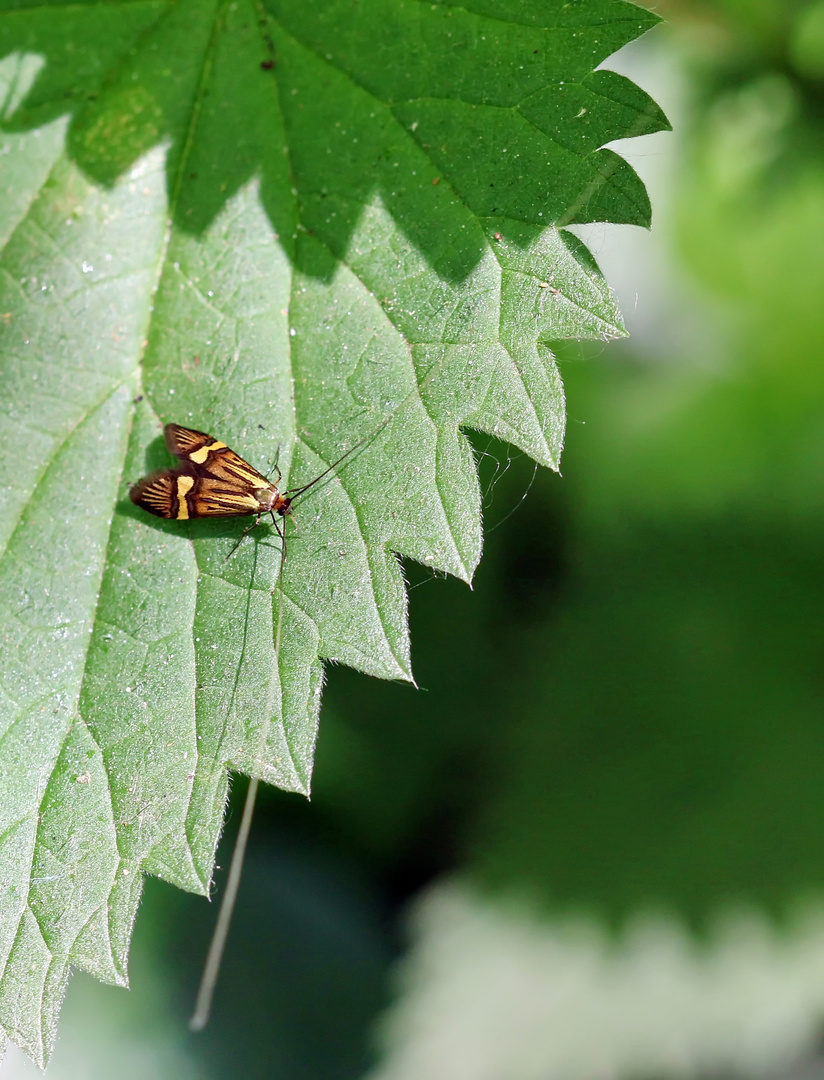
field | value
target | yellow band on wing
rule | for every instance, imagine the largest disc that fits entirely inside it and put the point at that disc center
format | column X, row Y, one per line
column 184, row 486
column 199, row 456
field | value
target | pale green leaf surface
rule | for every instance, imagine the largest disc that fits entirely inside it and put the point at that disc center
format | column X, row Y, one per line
column 297, row 228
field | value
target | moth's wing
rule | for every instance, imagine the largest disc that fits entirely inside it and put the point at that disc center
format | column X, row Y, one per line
column 224, row 464
column 212, row 497
column 185, row 492
column 182, row 441
column 163, row 492
column 211, row 457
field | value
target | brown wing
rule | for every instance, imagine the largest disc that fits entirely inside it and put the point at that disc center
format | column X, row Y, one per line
column 183, row 441
column 211, row 457
column 211, row 481
column 182, row 494
column 166, row 493
column 216, row 498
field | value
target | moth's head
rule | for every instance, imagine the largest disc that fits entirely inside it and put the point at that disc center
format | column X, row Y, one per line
column 285, row 506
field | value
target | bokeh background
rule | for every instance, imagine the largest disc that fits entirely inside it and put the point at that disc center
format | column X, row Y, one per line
column 591, row 845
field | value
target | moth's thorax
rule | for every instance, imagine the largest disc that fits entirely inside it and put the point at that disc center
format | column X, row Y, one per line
column 271, row 501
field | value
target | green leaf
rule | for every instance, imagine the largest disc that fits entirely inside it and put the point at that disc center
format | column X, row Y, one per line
column 293, row 226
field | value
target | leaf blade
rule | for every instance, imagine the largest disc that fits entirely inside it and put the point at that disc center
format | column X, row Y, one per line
column 294, row 263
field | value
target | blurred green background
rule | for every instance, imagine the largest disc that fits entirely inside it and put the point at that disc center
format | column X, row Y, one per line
column 625, row 715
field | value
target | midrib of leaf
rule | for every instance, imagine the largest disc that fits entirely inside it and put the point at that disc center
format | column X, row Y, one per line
column 278, row 600
column 230, row 713
column 265, row 17
column 217, row 32
column 194, row 115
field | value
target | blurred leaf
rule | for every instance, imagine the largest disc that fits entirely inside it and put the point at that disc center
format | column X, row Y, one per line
column 296, row 227
column 665, row 745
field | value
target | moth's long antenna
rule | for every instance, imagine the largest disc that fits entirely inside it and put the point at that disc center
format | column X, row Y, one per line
column 206, row 990
column 214, row 958
column 294, row 492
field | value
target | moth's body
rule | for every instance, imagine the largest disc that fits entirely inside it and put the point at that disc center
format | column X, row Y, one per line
column 211, row 481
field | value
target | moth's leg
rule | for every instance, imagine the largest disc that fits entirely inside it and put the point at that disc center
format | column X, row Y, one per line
column 243, row 536
column 276, row 468
column 282, row 534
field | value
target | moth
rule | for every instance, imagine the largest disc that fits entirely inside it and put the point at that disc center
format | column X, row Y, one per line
column 213, row 481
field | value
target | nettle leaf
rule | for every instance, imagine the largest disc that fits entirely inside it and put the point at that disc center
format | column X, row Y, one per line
column 295, row 226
